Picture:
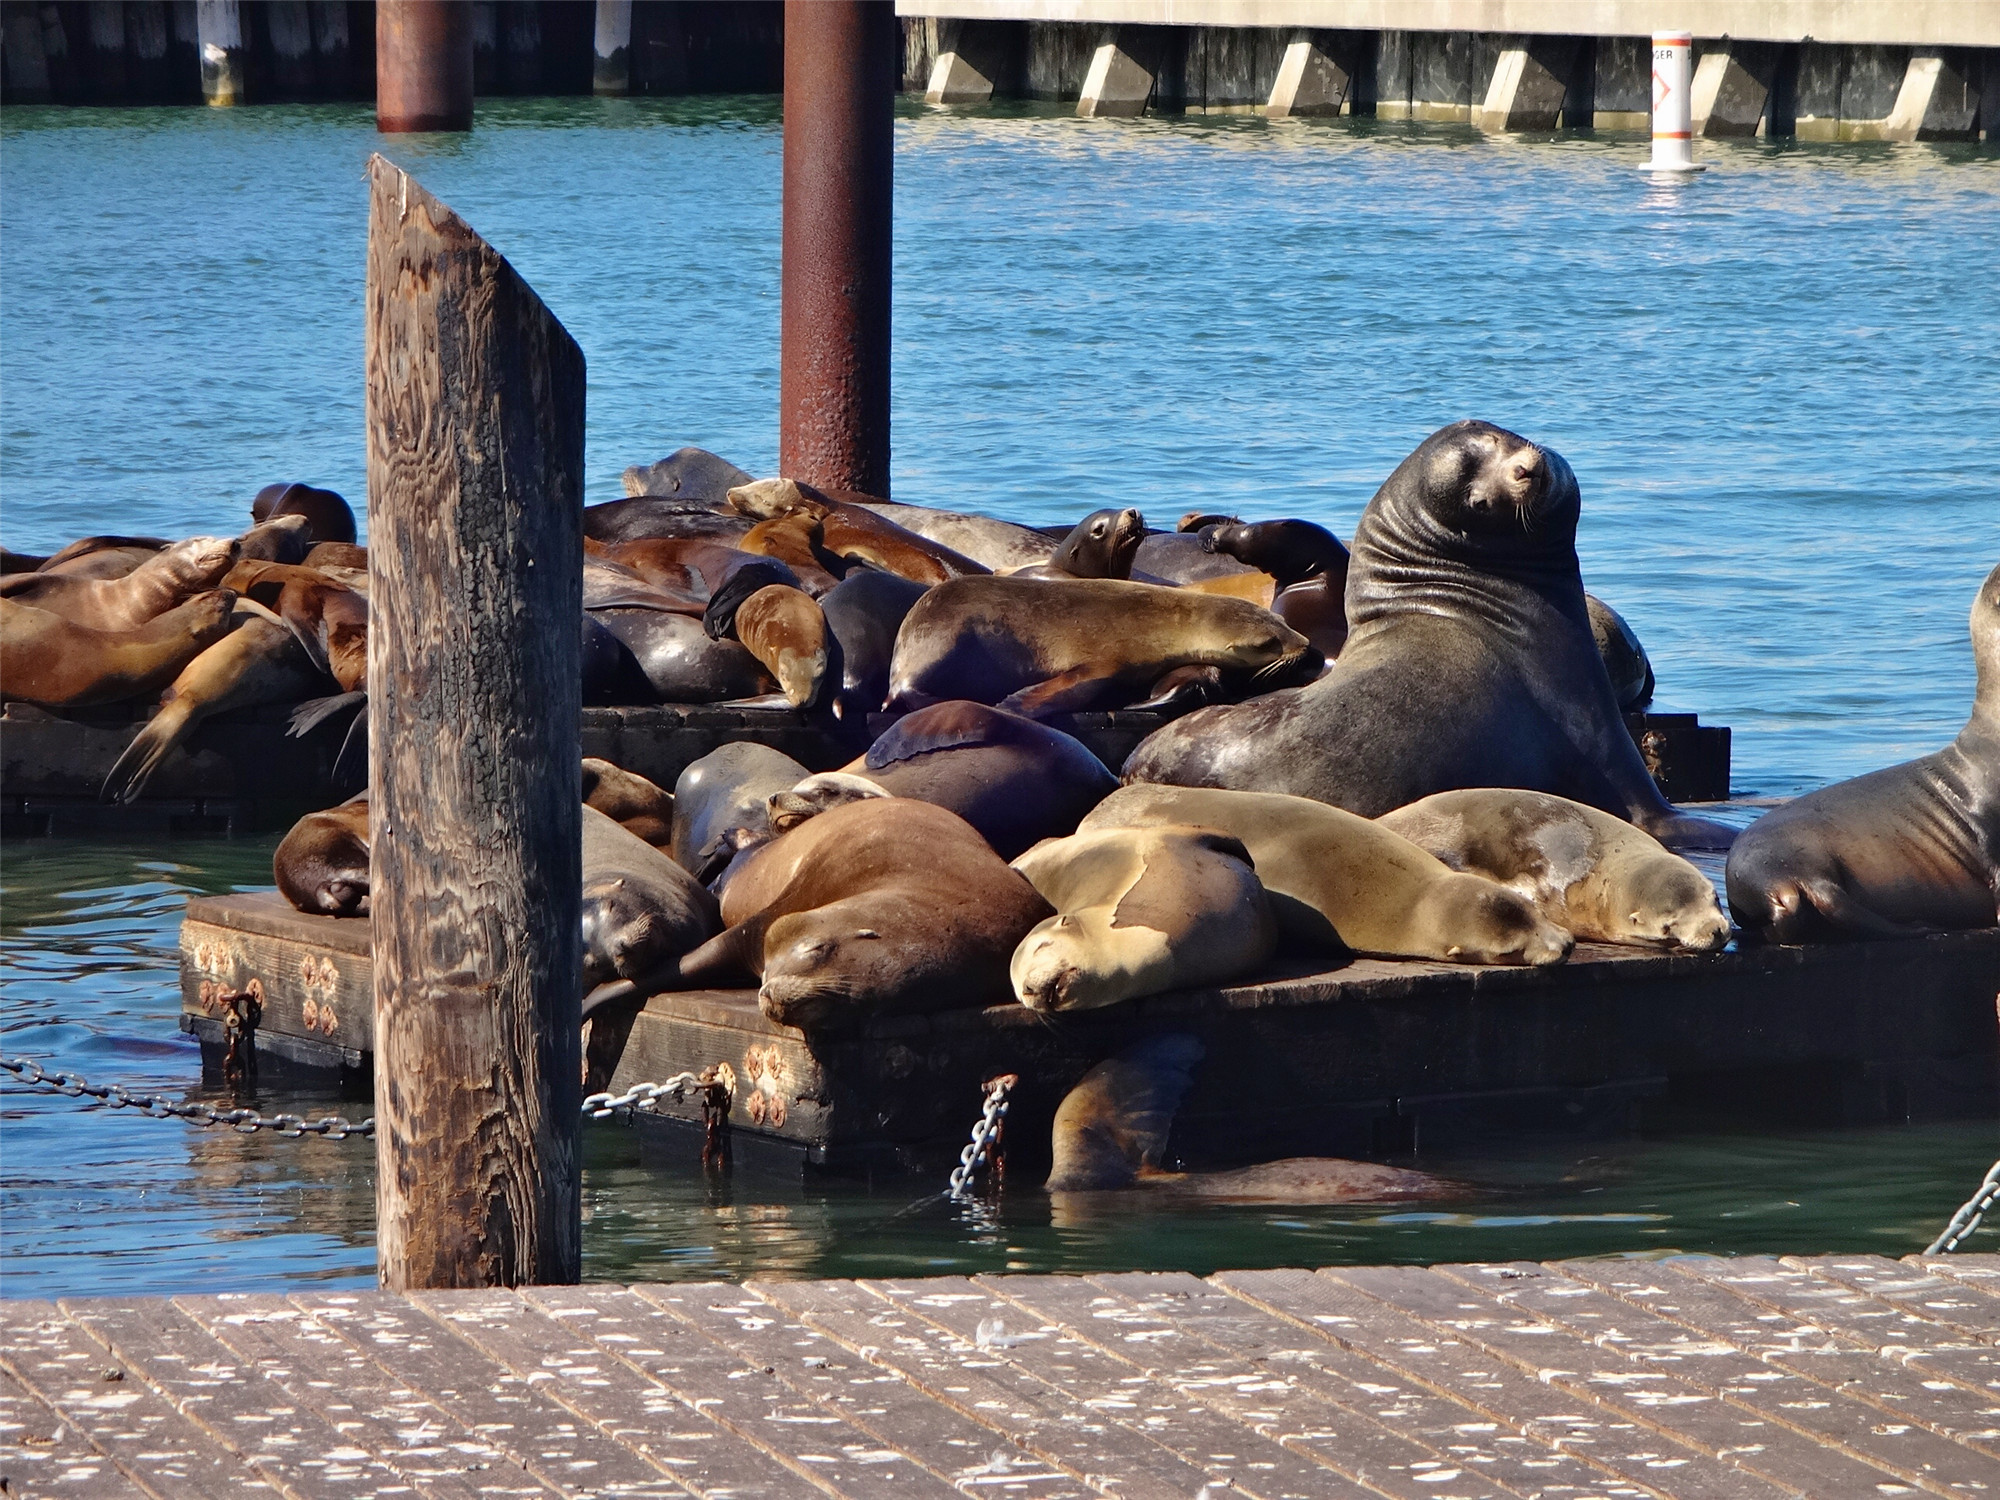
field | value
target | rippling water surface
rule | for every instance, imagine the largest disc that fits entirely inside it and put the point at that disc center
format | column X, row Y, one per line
column 1776, row 385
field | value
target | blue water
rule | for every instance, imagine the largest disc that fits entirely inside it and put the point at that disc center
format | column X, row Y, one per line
column 1775, row 382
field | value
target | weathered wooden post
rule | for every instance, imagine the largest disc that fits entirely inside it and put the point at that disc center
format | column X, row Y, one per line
column 475, row 558
column 423, row 65
column 833, row 393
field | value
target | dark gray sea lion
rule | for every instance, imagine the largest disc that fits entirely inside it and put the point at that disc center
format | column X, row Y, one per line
column 894, row 906
column 1014, row 780
column 686, row 474
column 1290, row 551
column 992, row 543
column 19, row 562
column 680, row 661
column 60, row 664
column 727, row 789
column 1042, row 647
column 629, row 799
column 1469, row 660
column 1111, row 1132
column 864, row 612
column 1201, row 520
column 1101, row 545
column 1625, row 659
column 640, row 908
column 635, row 520
column 321, row 865
column 282, row 539
column 1180, row 557
column 166, row 579
column 329, row 516
column 611, row 674
column 1909, row 849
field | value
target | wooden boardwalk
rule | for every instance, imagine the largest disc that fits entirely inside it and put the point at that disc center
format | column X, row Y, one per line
column 1742, row 1379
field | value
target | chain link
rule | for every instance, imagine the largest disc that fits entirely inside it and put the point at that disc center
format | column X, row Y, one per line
column 1967, row 1218
column 247, row 1121
column 641, row 1096
column 984, row 1131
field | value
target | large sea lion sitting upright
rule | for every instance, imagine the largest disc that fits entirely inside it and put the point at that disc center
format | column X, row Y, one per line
column 1469, row 660
column 1912, row 848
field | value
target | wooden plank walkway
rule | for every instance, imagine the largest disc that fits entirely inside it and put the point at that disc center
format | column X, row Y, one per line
column 1740, row 1379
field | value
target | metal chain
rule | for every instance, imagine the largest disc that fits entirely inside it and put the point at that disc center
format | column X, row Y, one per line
column 248, row 1121
column 984, row 1130
column 640, row 1096
column 1967, row 1218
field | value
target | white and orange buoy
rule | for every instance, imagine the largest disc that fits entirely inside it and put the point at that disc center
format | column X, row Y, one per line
column 1673, row 113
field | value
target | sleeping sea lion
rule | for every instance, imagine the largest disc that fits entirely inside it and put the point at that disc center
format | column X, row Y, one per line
column 1102, row 545
column 1912, row 848
column 321, row 865
column 864, row 612
column 1040, row 647
column 1138, row 911
column 784, row 629
column 337, row 555
column 895, row 906
column 850, row 533
column 686, row 474
column 994, row 544
column 58, row 663
column 102, row 556
column 610, row 672
column 1111, row 1132
column 794, row 539
column 1469, row 660
column 640, row 909
column 630, row 800
column 818, row 793
column 729, row 788
column 681, row 663
column 608, row 585
column 1625, row 659
column 282, row 539
column 1595, row 875
column 1014, row 780
column 631, row 520
column 329, row 517
column 1337, row 880
column 167, row 579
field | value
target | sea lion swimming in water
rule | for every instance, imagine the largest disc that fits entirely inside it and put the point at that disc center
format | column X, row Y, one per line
column 1039, row 647
column 1469, row 660
column 165, row 580
column 1909, row 849
column 58, row 663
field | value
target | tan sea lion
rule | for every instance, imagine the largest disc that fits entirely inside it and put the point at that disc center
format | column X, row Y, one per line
column 1111, row 1132
column 896, row 906
column 818, row 793
column 794, row 539
column 994, row 544
column 1908, row 849
column 331, row 622
column 103, row 556
column 165, row 580
column 1040, row 646
column 321, row 865
column 1138, row 911
column 1595, row 875
column 47, row 659
column 630, row 799
column 1338, row 880
column 337, row 555
column 784, row 629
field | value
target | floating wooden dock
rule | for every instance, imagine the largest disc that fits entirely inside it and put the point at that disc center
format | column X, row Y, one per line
column 240, row 771
column 1373, row 1058
column 1724, row 1379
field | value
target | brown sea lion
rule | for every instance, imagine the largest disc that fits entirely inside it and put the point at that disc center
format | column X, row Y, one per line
column 784, row 629
column 726, row 790
column 1138, row 911
column 1340, row 881
column 265, row 581
column 1041, row 647
column 1102, row 545
column 157, row 585
column 1594, row 875
column 103, row 556
column 609, row 585
column 1111, row 1132
column 337, row 555
column 996, row 545
column 330, row 518
column 56, row 662
column 1317, row 610
column 1469, row 660
column 1912, row 848
column 321, row 865
column 258, row 662
column 794, row 539
column 895, row 906
column 1014, row 780
column 850, row 532
column 1625, row 659
column 331, row 622
column 630, row 799
column 19, row 562
column 864, row 613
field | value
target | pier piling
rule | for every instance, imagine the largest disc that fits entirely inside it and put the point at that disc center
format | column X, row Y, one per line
column 423, row 66
column 475, row 410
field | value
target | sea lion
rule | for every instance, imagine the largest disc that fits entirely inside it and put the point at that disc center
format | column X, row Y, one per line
column 337, row 555
column 895, row 906
column 1014, row 780
column 1180, row 557
column 1317, row 610
column 681, row 663
column 640, row 909
column 1111, row 1132
column 282, row 539
column 1039, row 647
column 103, row 556
column 1201, row 520
column 331, row 622
column 817, row 794
column 632, row 520
column 19, row 562
column 1908, row 849
column 1625, row 659
column 850, row 533
column 610, row 672
column 630, row 799
column 258, row 662
column 167, row 579
column 1469, row 660
column 994, row 544
column 728, row 788
column 794, row 539
column 1290, row 551
column 321, row 865
column 1595, row 875
column 330, row 518
column 1101, row 545
column 864, row 612
column 607, row 585
column 784, row 629
column 1340, row 881
column 686, row 474
column 58, row 663
column 1138, row 911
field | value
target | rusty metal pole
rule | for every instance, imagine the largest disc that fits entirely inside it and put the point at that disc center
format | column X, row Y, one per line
column 423, row 65
column 833, row 394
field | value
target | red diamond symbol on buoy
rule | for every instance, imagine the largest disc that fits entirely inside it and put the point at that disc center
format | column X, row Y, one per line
column 1661, row 88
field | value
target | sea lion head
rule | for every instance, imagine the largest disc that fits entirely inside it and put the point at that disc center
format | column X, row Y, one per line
column 1290, row 551
column 208, row 617
column 329, row 516
column 1102, row 545
column 818, row 794
column 1479, row 478
column 1669, row 901
column 282, row 539
column 1491, row 924
column 822, row 967
column 622, row 934
column 201, row 562
column 786, row 631
column 1265, row 649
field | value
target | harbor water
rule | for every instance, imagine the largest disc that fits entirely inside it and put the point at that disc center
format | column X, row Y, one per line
column 1775, row 384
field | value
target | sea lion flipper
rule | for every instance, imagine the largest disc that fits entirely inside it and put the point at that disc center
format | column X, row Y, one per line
column 941, row 726
column 312, row 713
column 1066, row 692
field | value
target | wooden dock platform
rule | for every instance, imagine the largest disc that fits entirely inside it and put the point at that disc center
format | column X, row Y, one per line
column 1724, row 1379
column 1372, row 1058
